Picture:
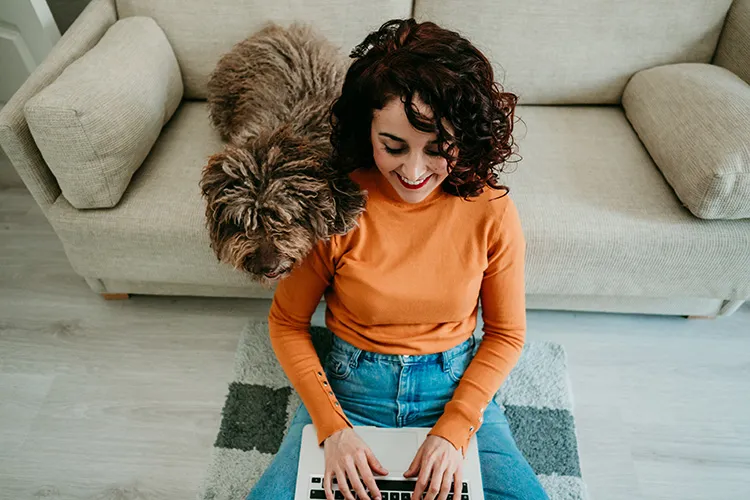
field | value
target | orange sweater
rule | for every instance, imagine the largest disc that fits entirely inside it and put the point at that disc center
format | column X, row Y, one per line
column 407, row 280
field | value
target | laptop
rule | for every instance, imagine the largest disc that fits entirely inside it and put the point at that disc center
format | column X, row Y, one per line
column 395, row 448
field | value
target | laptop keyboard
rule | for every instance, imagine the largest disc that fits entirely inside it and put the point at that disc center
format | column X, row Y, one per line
column 390, row 489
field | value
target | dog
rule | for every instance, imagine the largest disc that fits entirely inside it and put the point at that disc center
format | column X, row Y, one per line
column 271, row 194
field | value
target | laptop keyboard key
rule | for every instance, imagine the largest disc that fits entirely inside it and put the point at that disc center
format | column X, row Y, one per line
column 393, row 496
column 405, row 496
column 317, row 494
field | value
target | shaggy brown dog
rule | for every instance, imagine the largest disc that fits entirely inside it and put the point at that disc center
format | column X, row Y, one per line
column 271, row 194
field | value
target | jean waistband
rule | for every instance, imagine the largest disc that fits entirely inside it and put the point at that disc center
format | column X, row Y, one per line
column 355, row 353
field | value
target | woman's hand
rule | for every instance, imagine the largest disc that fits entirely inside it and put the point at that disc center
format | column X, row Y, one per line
column 346, row 454
column 438, row 459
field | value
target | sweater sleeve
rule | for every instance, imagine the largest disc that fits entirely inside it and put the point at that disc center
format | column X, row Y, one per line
column 503, row 302
column 294, row 302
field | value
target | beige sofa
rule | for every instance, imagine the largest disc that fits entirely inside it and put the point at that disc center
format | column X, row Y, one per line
column 607, row 187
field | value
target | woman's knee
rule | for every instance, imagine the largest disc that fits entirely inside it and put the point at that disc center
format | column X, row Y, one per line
column 279, row 480
column 506, row 474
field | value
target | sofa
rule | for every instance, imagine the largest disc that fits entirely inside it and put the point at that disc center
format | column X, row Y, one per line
column 632, row 186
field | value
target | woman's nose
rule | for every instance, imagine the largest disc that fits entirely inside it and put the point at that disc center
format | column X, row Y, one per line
column 415, row 168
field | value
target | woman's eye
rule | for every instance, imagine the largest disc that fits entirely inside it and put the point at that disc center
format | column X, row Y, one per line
column 399, row 151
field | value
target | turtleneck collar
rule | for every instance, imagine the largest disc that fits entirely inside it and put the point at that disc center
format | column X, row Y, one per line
column 390, row 194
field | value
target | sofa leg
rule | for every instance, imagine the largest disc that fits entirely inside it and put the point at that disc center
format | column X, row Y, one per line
column 701, row 317
column 115, row 296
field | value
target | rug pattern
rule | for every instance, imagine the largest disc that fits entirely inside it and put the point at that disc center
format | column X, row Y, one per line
column 261, row 402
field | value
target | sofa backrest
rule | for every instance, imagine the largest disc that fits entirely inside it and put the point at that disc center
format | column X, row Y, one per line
column 201, row 31
column 546, row 51
column 580, row 51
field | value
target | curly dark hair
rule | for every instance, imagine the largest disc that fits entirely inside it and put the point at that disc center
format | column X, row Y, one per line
column 452, row 77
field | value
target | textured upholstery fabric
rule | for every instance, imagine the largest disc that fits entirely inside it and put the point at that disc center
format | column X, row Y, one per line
column 15, row 137
column 582, row 51
column 733, row 51
column 200, row 31
column 598, row 216
column 694, row 119
column 95, row 124
column 600, row 219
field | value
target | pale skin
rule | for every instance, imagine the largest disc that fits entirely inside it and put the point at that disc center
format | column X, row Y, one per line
column 398, row 150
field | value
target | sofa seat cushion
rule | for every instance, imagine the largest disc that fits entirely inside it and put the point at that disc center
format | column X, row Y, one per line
column 157, row 231
column 600, row 218
column 96, row 123
column 694, row 120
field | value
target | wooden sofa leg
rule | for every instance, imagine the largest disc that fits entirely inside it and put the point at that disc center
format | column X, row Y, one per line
column 701, row 317
column 115, row 296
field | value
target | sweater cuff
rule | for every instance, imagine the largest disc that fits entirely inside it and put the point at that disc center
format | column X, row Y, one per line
column 458, row 423
column 322, row 405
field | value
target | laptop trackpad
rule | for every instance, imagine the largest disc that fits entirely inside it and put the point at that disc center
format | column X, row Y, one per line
column 394, row 448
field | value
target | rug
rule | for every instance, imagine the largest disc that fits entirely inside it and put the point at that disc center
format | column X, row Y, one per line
column 260, row 404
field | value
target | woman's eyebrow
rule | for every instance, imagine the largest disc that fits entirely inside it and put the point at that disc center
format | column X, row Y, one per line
column 396, row 138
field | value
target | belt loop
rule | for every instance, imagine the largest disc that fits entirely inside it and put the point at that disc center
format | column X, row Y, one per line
column 354, row 361
column 444, row 361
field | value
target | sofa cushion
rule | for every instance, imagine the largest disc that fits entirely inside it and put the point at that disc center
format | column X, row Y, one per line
column 95, row 124
column 201, row 31
column 598, row 217
column 580, row 51
column 694, row 120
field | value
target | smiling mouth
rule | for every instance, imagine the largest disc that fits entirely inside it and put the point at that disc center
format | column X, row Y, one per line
column 408, row 185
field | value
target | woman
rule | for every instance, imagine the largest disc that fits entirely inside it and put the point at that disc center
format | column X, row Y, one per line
column 420, row 125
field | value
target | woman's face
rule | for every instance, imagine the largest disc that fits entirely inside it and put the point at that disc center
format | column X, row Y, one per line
column 404, row 154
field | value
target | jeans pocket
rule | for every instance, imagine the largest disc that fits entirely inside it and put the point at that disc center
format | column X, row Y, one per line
column 337, row 365
column 458, row 365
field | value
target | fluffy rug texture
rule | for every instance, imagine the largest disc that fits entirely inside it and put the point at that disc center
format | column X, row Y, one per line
column 260, row 404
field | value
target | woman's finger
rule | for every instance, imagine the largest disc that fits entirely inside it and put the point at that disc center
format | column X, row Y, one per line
column 328, row 485
column 414, row 465
column 424, row 478
column 436, row 478
column 445, row 483
column 351, row 471
column 458, row 482
column 366, row 473
column 343, row 486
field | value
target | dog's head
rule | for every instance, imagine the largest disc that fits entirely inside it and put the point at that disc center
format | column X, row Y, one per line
column 268, row 202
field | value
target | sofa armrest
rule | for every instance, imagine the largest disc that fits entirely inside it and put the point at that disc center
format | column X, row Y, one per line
column 694, row 119
column 15, row 137
column 733, row 50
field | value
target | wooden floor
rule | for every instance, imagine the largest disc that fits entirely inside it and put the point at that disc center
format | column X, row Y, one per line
column 122, row 400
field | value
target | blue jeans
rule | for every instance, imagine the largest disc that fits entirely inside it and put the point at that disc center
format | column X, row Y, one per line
column 391, row 390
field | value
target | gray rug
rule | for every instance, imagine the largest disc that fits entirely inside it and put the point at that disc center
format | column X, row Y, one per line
column 261, row 402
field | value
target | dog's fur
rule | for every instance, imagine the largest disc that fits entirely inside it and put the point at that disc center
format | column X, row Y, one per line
column 272, row 194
